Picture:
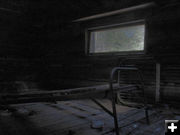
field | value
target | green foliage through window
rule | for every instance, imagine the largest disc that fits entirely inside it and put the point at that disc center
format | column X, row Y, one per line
column 117, row 39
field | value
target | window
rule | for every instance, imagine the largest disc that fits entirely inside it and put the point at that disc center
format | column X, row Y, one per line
column 121, row 38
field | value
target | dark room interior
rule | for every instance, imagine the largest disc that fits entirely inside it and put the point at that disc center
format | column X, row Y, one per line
column 89, row 67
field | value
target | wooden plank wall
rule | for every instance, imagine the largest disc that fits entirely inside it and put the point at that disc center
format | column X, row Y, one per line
column 162, row 39
column 55, row 58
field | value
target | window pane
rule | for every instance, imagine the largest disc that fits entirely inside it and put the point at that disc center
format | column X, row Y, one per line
column 119, row 39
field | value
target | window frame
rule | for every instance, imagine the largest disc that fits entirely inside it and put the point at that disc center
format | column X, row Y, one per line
column 124, row 24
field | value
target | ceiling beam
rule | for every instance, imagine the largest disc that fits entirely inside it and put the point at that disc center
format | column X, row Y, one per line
column 116, row 12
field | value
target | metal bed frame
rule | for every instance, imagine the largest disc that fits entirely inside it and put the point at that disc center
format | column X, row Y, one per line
column 79, row 93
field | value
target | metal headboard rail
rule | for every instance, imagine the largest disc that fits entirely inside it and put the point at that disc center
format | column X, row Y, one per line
column 114, row 70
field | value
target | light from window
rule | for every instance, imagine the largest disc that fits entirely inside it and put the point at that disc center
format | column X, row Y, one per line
column 117, row 39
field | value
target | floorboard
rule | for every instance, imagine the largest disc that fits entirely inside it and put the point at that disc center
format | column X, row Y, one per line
column 77, row 117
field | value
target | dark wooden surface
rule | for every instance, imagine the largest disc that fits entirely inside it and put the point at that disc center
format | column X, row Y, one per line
column 76, row 117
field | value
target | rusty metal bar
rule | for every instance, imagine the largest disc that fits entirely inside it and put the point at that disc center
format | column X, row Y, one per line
column 102, row 106
column 114, row 70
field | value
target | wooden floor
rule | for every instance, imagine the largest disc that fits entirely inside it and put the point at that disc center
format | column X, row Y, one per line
column 79, row 117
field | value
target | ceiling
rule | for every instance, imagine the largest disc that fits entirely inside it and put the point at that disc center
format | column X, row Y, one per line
column 47, row 11
column 33, row 25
